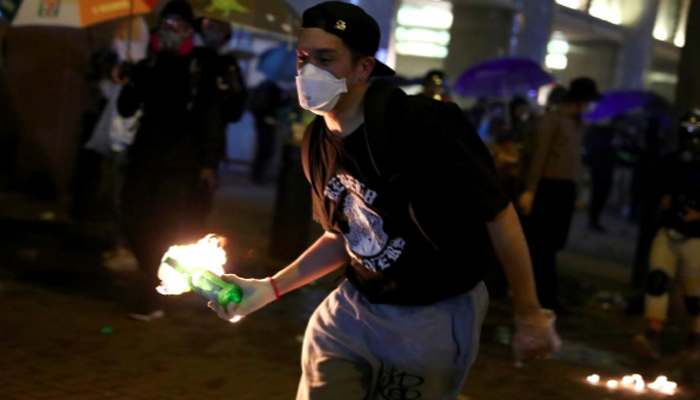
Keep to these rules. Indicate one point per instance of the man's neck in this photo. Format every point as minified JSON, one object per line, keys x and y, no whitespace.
{"x":349,"y":114}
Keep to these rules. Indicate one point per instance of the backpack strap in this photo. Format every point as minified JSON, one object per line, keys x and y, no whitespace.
{"x":380,"y":100}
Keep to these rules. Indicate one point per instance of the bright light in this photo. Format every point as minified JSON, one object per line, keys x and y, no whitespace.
{"x":679,"y":41}
{"x":575,"y":4}
{"x":422,"y":35}
{"x":660,"y":32}
{"x":235,"y":319}
{"x":607,"y":10}
{"x":425,"y":17}
{"x":663,"y":77}
{"x":636,"y":383}
{"x":558,"y":46}
{"x":556,"y":61}
{"x":421,"y":49}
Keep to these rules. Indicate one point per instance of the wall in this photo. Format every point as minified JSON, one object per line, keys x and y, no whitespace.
{"x":595,"y":60}
{"x":478,"y":33}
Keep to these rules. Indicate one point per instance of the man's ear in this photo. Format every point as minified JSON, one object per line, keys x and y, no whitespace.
{"x":366,"y":68}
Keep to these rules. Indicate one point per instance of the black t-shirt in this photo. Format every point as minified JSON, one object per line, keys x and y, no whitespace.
{"x":450,"y":187}
{"x":681,"y":180}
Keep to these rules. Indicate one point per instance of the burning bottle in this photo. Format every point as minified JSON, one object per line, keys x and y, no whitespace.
{"x":198,"y":268}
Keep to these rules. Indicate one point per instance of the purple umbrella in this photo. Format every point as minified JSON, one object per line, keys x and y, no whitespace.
{"x":502,"y":77}
{"x":619,"y":102}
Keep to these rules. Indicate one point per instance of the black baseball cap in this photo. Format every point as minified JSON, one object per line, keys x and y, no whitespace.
{"x":350,"y":23}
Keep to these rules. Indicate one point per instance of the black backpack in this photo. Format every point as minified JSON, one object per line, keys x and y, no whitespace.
{"x":379,"y":97}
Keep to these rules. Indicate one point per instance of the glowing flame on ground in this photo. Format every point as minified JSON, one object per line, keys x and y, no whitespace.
{"x":636,"y":383}
{"x":208,"y":253}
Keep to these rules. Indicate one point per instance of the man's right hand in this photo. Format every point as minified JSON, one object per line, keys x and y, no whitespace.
{"x":525,"y":202}
{"x":257,"y":293}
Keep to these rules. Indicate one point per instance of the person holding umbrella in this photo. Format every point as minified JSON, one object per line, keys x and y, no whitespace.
{"x":171,"y":172}
{"x":551,"y":178}
{"x":410,"y":201}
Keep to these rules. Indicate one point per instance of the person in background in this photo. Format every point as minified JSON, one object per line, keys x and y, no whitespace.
{"x":520,"y":119}
{"x":217,"y":37}
{"x":556,"y":98}
{"x":676,"y":247}
{"x":113,"y":134}
{"x":477,"y":112}
{"x":551,"y":178}
{"x":266,"y":101}
{"x":435,"y":86}
{"x":601,"y":157}
{"x":493,"y":125}
{"x":171,"y":171}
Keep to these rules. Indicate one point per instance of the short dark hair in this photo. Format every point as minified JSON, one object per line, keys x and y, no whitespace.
{"x":355,"y":55}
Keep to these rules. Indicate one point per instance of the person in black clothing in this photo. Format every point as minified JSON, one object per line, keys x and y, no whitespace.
{"x":435,"y":86}
{"x":171,"y":173}
{"x":266,"y":101}
{"x":601,"y":157}
{"x":409,"y":199}
{"x":217,"y":35}
{"x":676,"y":247}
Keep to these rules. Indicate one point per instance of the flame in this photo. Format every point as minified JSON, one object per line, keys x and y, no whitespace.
{"x":208,"y":253}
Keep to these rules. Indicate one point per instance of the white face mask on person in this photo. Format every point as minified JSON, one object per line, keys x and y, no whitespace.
{"x":319,"y":91}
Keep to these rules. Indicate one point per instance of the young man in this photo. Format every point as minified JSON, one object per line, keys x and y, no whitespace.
{"x":676,"y":248}
{"x":410,"y":202}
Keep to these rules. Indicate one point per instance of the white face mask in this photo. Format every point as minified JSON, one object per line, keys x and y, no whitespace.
{"x":319,"y":91}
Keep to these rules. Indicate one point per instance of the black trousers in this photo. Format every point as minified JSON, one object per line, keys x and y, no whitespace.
{"x":547,"y":230}
{"x":160,"y":209}
{"x":602,"y":182}
{"x":265,"y":149}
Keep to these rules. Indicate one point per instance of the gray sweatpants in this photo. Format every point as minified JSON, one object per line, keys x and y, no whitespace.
{"x":357,"y":350}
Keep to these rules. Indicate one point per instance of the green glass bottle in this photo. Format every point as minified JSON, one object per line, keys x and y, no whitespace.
{"x":207,"y":284}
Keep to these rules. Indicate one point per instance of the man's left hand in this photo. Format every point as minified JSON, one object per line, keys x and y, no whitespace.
{"x":208,"y":177}
{"x":691,"y":215}
{"x":535,"y":336}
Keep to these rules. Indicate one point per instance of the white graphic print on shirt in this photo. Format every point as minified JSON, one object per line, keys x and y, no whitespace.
{"x":365,"y":240}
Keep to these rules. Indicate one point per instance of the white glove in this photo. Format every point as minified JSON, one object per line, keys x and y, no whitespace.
{"x":535,"y":336}
{"x":257,"y":293}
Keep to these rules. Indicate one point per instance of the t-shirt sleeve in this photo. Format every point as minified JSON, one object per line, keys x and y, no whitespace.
{"x":449,"y":169}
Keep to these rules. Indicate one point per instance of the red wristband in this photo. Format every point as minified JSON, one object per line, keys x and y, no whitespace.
{"x":274,"y":286}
